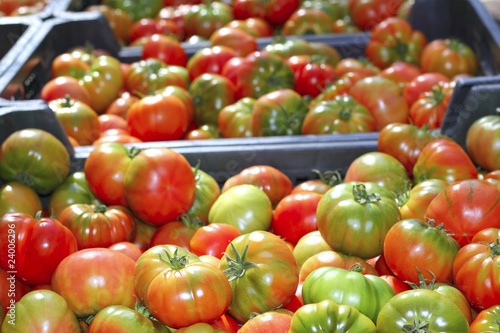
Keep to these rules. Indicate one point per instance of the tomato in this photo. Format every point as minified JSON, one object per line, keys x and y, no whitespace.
{"x":35,"y":158}
{"x":16,"y":197}
{"x":419,"y":197}
{"x":482,"y":142}
{"x":207,"y":192}
{"x":137,"y":9}
{"x":146,"y":27}
{"x":343,"y":114}
{"x":164,"y":48}
{"x":428,"y":249}
{"x":443,"y":159}
{"x":77,"y":119}
{"x":199,"y":328}
{"x":226,"y":324}
{"x":109,"y":121}
{"x":12,"y":289}
{"x":314,"y":77}
{"x":119,"y":318}
{"x":450,"y":57}
{"x":75,"y":279}
{"x":487,"y":320}
{"x":277,"y":113}
{"x":149,"y":75}
{"x":323,"y":183}
{"x":235,"y":120}
{"x":272,"y":181}
{"x":203,"y":132}
{"x":276,"y":12}
{"x":465,"y":208}
{"x":401,"y":72}
{"x":247,"y":259}
{"x":295,"y":216}
{"x":158,"y":117}
{"x":404,"y":142}
{"x":421,"y":309}
{"x":430,"y":107}
{"x":239,"y":40}
{"x":328,"y":316}
{"x":212,"y":239}
{"x":103,"y":81}
{"x":209,"y":59}
{"x":393,"y":40}
{"x":352,"y":65}
{"x":355,"y":210}
{"x":177,"y":233}
{"x":98,"y":225}
{"x":244,"y":206}
{"x":259,"y":73}
{"x":66,"y":64}
{"x":367,"y":293}
{"x":308,"y":245}
{"x":256,"y":26}
{"x":205,"y":18}
{"x":288,"y":47}
{"x":62,"y":86}
{"x":156,"y":176}
{"x":172,"y":281}
{"x":276,"y":321}
{"x":211,"y":92}
{"x":380,"y":168}
{"x":47,"y":312}
{"x":382,"y":98}
{"x":334,"y":259}
{"x":420,"y":84}
{"x":40,"y":245}
{"x":128,"y":248}
{"x":143,"y":235}
{"x":121,"y":105}
{"x":396,"y":284}
{"x":308,"y":21}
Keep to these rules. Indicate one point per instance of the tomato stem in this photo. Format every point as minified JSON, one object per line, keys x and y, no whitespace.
{"x":494,"y":248}
{"x":175,"y":262}
{"x":362,"y":196}
{"x":238,"y":265}
{"x":329,"y":177}
{"x":418,"y":326}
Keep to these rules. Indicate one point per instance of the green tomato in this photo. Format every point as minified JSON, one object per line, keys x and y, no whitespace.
{"x":246,"y":207}
{"x":354,"y":218}
{"x":328,"y":316}
{"x":365,"y":292}
{"x":421,"y":310}
{"x":121,"y":319}
{"x":207,"y":192}
{"x":137,"y":9}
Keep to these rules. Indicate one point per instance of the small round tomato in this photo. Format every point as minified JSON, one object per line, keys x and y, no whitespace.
{"x":165,"y":48}
{"x":213,"y":239}
{"x":483,"y":142}
{"x":20,"y":198}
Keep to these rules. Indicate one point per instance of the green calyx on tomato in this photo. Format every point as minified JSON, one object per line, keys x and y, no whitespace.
{"x":362,"y":196}
{"x":174,"y":261}
{"x":238,"y":265}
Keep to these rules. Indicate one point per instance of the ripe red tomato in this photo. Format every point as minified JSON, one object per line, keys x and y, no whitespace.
{"x":158,"y":117}
{"x":449,"y":57}
{"x":402,"y":73}
{"x":128,"y":248}
{"x":210,"y":59}
{"x":465,"y":208}
{"x":276,"y":321}
{"x":276,"y":12}
{"x":420,"y":84}
{"x":295,"y":216}
{"x":156,"y":176}
{"x":177,"y":233}
{"x":62,"y":86}
{"x":76,"y":276}
{"x":239,"y":40}
{"x":419,"y":197}
{"x":165,"y":48}
{"x":430,"y":107}
{"x":314,"y":77}
{"x":213,"y":239}
{"x":368,"y":13}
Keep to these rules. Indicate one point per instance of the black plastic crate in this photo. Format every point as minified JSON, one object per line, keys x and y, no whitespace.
{"x":12,"y":29}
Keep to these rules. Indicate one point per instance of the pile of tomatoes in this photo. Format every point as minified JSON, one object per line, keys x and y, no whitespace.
{"x":21,"y":7}
{"x":142,"y":239}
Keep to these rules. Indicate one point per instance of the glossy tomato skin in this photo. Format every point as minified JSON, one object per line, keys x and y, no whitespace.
{"x":276,"y":12}
{"x":414,"y":307}
{"x":401,"y":72}
{"x":357,"y":210}
{"x":205,"y":18}
{"x":309,"y":245}
{"x":165,"y":274}
{"x":165,"y":48}
{"x":75,"y":277}
{"x":98,"y":225}
{"x":271,"y":180}
{"x":404,"y":142}
{"x":311,"y":21}
{"x":20,"y":198}
{"x":280,"y":112}
{"x":421,"y":84}
{"x":318,"y":316}
{"x":121,"y":319}
{"x":482,"y":142}
{"x":419,"y":197}
{"x":277,"y":321}
{"x":177,"y":233}
{"x":207,"y":192}
{"x":240,"y":41}
{"x":428,"y":250}
{"x":235,"y":120}
{"x":149,"y":173}
{"x":213,"y":239}
{"x":486,"y":320}
{"x":209,"y":59}
{"x":262,"y":254}
{"x":29,"y":156}
{"x":158,"y":117}
{"x":393,"y":40}
{"x":40,"y":245}
{"x":430,"y":108}
{"x":343,"y":114}
{"x":443,"y":159}
{"x":450,"y":57}
{"x":295,"y":215}
{"x":48,"y":312}
{"x":465,"y":208}
{"x":328,"y":283}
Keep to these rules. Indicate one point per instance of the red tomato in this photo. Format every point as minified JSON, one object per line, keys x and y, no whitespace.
{"x":430,"y":107}
{"x":209,"y":59}
{"x":420,"y":84}
{"x":239,"y":40}
{"x":295,"y":216}
{"x":314,"y":77}
{"x":156,"y":176}
{"x":402,"y":73}
{"x":276,"y":321}
{"x":112,"y":121}
{"x":121,"y":105}
{"x":33,"y":248}
{"x":276,"y":12}
{"x":213,"y":239}
{"x":419,"y":197}
{"x":396,"y":284}
{"x":368,"y":13}
{"x":82,"y":278}
{"x":176,"y":233}
{"x":128,"y":248}
{"x":63,"y":86}
{"x":465,"y":208}
{"x":226,"y":323}
{"x":165,"y":48}
{"x":149,"y":26}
